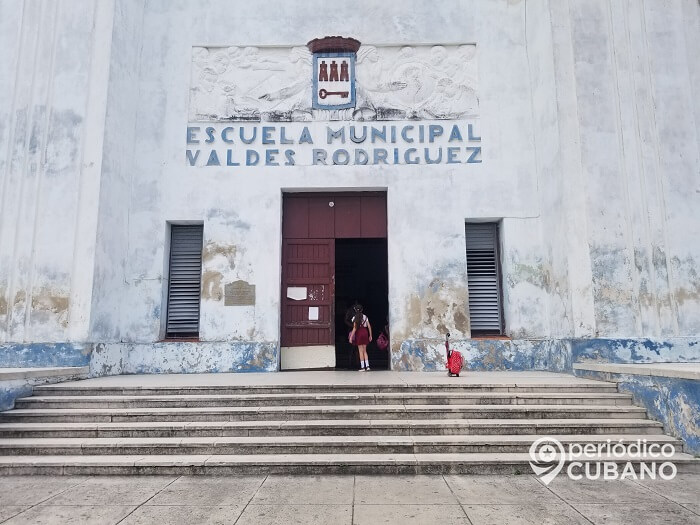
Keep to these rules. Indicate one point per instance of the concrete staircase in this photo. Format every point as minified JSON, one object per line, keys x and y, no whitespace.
{"x":18,"y":382}
{"x":431,"y":426}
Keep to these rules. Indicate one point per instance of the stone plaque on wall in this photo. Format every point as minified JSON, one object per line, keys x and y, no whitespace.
{"x":239,"y":293}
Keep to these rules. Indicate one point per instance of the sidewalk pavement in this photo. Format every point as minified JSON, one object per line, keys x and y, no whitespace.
{"x":340,"y":500}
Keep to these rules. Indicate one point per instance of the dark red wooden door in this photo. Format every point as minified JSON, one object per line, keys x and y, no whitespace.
{"x":307,"y":292}
{"x":310,"y":225}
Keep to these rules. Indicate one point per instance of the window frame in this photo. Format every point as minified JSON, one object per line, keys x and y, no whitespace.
{"x":498,"y":277}
{"x":166,"y":334}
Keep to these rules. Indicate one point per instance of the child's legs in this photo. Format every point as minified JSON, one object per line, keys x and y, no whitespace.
{"x":363,"y":352}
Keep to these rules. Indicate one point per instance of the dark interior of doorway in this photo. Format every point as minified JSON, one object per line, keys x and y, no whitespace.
{"x":361,"y":273}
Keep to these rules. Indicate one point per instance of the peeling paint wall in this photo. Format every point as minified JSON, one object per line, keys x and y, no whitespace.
{"x":672,"y":350}
{"x":427,"y":355}
{"x":552,"y":354}
{"x":11,"y":390}
{"x":527,"y":276}
{"x":183,"y":358}
{"x":33,"y":355}
{"x":672,"y":401}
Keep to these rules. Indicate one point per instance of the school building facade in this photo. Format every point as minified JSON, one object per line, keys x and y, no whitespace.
{"x":207,"y":187}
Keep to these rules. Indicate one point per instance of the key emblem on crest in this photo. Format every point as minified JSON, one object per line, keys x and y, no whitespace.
{"x":334,"y":72}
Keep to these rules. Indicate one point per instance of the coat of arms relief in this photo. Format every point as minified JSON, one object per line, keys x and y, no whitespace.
{"x":282,"y":84}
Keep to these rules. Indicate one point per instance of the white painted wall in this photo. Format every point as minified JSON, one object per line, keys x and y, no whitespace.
{"x":113,"y":283}
{"x":590,"y":122}
{"x":635,"y":79}
{"x":55,"y":62}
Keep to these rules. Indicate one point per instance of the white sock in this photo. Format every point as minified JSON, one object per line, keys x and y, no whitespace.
{"x":364,"y":364}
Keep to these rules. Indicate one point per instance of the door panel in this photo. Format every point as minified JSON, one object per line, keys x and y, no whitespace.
{"x":295,"y":213}
{"x":307,"y":264}
{"x":347,"y":213}
{"x":309,"y":229}
{"x":373,"y":216}
{"x":321,"y":218}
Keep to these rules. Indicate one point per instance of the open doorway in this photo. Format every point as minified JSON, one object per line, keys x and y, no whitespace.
{"x":318,"y":286}
{"x":361,"y":273}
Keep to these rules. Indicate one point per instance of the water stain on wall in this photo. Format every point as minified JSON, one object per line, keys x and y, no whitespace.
{"x":642,"y":265}
{"x":441,"y":309}
{"x":264,"y":357}
{"x":687,"y":415}
{"x":228,"y":218}
{"x":613,"y":295}
{"x":63,"y":141}
{"x":20,"y":298}
{"x":538,"y":275}
{"x":461,"y":321}
{"x":412,"y":362}
{"x":211,"y":286}
{"x":46,"y":301}
{"x":615,"y":301}
{"x":49,"y":302}
{"x":685,"y":270}
{"x":213,"y":250}
{"x":684,"y":295}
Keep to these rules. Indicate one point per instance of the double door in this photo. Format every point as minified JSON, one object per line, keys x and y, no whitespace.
{"x":311,"y":224}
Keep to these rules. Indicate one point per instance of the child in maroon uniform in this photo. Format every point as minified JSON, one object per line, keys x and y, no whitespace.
{"x":361,"y":336}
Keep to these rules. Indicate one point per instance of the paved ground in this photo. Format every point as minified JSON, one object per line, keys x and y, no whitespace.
{"x":339,"y":378}
{"x":339,"y":500}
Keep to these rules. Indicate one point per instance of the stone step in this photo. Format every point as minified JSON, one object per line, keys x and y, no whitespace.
{"x":314,"y":464}
{"x":16,"y":382}
{"x":60,"y":373}
{"x":354,"y":427}
{"x":574,"y":386}
{"x":347,"y":423}
{"x":312,"y":444}
{"x":332,"y":398}
{"x":327,"y":412}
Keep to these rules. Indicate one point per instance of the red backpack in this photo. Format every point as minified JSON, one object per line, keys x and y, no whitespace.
{"x":454,"y":359}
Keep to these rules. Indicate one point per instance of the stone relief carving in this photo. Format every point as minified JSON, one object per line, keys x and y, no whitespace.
{"x":392,"y":83}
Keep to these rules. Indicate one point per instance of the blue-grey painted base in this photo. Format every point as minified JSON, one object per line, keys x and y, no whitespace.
{"x":672,"y":401}
{"x":427,"y":355}
{"x":35,"y":355}
{"x":553,"y":355}
{"x":11,"y":390}
{"x":637,"y":351}
{"x":183,"y":358}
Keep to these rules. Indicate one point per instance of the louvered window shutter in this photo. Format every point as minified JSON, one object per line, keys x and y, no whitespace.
{"x":184,"y":282}
{"x":484,"y":280}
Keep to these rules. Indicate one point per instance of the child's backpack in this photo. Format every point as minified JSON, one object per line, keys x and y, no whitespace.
{"x":382,"y":341}
{"x":454,"y":363}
